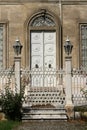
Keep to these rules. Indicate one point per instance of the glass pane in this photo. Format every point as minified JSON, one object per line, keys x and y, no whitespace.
{"x":1,"y":46}
{"x":84,"y":45}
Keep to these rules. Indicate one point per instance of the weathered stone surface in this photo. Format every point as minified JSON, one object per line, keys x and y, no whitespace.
{"x":52,"y":125}
{"x":16,"y":14}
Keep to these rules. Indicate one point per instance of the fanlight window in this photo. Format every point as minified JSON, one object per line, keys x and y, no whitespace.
{"x":42,"y":21}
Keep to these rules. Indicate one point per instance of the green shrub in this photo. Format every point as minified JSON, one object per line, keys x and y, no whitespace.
{"x":84,"y":91}
{"x":80,"y":108}
{"x":8,"y":125}
{"x":11,"y":103}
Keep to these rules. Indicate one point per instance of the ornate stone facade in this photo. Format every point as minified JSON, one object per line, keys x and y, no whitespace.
{"x":20,"y":17}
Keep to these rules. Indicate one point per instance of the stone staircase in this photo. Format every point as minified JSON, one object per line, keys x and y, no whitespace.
{"x":44,"y":113}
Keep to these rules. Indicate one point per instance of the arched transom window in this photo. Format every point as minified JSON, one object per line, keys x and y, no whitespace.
{"x":42,"y":21}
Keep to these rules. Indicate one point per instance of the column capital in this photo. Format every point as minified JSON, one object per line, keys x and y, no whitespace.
{"x":17,"y":58}
{"x":68,"y":57}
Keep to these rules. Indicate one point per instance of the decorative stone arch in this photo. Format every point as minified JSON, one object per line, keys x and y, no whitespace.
{"x":43,"y":20}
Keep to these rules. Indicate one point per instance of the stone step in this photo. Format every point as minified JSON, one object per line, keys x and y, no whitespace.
{"x":58,"y":117}
{"x":58,"y":114}
{"x":26,"y":109}
{"x":45,"y":112}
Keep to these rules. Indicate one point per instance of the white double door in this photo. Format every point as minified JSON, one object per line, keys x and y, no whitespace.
{"x":43,"y":52}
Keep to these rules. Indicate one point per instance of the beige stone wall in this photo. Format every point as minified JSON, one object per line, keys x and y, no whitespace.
{"x":15,"y":13}
{"x":73,"y":15}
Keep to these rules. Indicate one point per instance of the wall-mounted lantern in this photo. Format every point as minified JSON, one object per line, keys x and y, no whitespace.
{"x":17,"y":47}
{"x":68,"y":47}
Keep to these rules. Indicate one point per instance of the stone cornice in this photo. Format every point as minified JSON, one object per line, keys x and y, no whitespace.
{"x":74,"y":2}
{"x":63,"y":2}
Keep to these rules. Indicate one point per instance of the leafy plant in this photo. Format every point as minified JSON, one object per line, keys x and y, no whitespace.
{"x":11,"y":103}
{"x":84,"y":91}
{"x":9,"y":125}
{"x":80,"y":108}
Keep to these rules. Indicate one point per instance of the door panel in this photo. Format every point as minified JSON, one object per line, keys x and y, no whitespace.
{"x":49,"y":49}
{"x":49,"y":57}
{"x":36,"y":49}
{"x":43,"y":56}
{"x":49,"y":61}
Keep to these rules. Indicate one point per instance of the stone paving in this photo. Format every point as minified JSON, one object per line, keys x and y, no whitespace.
{"x":52,"y":125}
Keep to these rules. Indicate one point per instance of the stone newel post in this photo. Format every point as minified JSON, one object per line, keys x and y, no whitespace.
{"x":68,"y":87}
{"x":17,"y":61}
{"x":68,"y":79}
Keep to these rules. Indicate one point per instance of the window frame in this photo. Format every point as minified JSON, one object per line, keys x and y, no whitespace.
{"x":80,"y":48}
{"x":5,"y":44}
